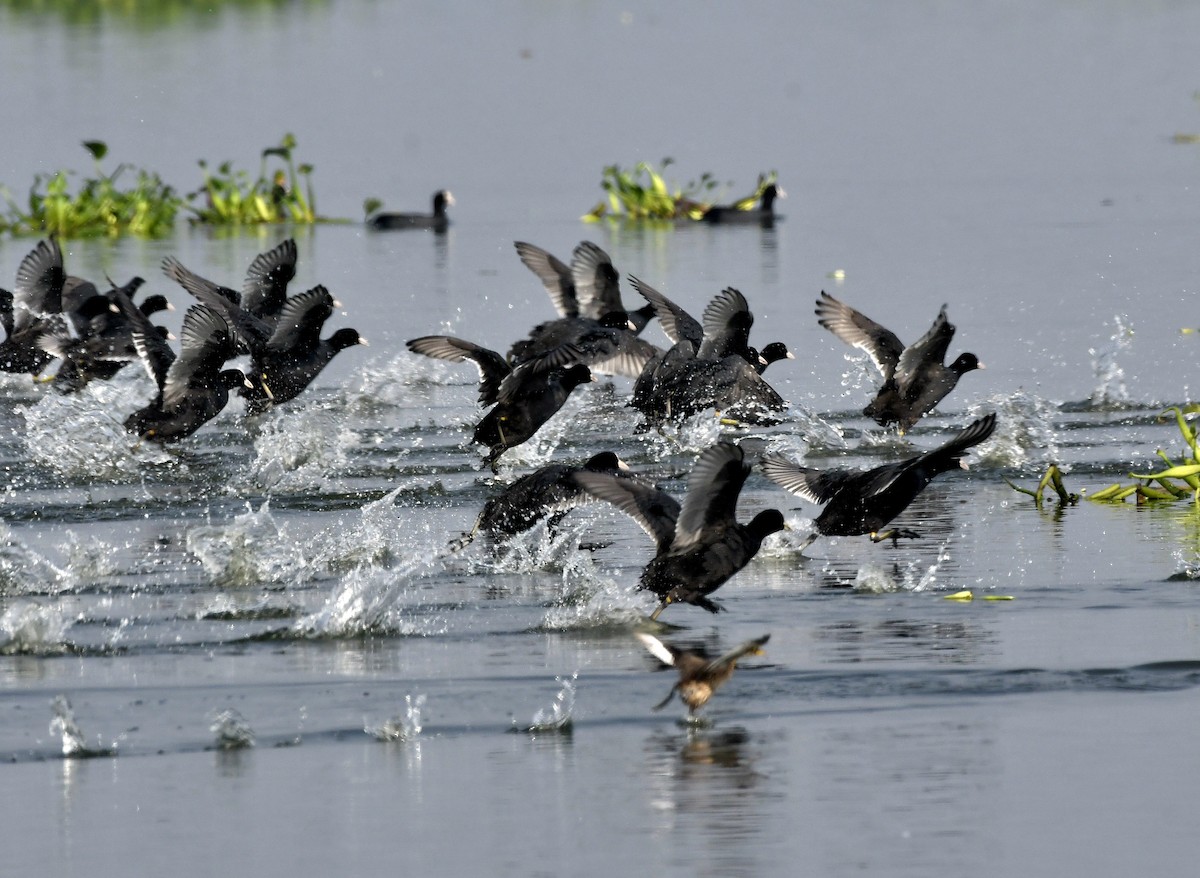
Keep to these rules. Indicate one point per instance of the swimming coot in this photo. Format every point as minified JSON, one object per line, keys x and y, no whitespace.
{"x":748,"y":211}
{"x":438,"y":220}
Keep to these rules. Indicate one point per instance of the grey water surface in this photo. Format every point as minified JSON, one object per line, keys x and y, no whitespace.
{"x":254,"y":653}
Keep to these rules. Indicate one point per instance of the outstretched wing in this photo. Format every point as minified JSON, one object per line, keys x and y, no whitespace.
{"x":816,"y":486}
{"x":555,"y":276}
{"x":677,"y":323}
{"x":596,"y":281}
{"x":265,"y":289}
{"x":655,"y":511}
{"x":930,"y":348}
{"x":727,"y":320}
{"x":858,"y":330}
{"x":493,"y":368}
{"x":712,"y":492}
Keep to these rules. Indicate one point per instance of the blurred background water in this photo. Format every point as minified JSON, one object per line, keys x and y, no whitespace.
{"x":286,"y":582}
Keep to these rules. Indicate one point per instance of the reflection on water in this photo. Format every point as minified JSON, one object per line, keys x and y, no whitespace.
{"x":705,"y":792}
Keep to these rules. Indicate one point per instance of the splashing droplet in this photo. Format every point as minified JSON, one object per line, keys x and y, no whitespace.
{"x":400,"y":728}
{"x":232,"y":731}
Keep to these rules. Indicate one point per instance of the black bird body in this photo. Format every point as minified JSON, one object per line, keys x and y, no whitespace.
{"x":527,"y":399}
{"x":294,"y":354}
{"x":865,"y":501}
{"x":438,"y":221}
{"x":522,"y":398}
{"x":95,"y":339}
{"x":548,"y":491}
{"x":282,"y":373}
{"x":700,"y":544}
{"x":763,"y":213}
{"x":36,"y":296}
{"x":699,"y":676}
{"x":678,"y":385}
{"x":711,"y":365}
{"x":192,"y":387}
{"x":915,"y":378}
{"x":608,"y":345}
{"x":204,"y":401}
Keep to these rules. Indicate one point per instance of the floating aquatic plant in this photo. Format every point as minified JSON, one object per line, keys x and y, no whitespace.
{"x":109,"y":204}
{"x":280,"y":192}
{"x":1177,"y":481}
{"x":642,"y":193}
{"x":137,"y":13}
{"x":103,"y":204}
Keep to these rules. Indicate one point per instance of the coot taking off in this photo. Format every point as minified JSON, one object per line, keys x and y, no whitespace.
{"x":531,"y":394}
{"x":548,"y":491}
{"x":863,"y":501}
{"x":700,"y":544}
{"x":915,"y":378}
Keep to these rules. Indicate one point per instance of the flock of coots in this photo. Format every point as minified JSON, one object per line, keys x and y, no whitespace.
{"x":51,"y":316}
{"x":711,"y":365}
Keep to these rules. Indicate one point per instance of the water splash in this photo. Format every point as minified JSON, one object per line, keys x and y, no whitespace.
{"x":558,"y":715}
{"x":406,"y":727}
{"x":369,"y":601}
{"x":538,"y":550}
{"x":591,"y":600}
{"x":915,"y":577}
{"x":251,"y":550}
{"x":1111,"y":392}
{"x":34,"y":629}
{"x":303,"y":447}
{"x":371,"y":542}
{"x":95,"y":446}
{"x":231,"y":731}
{"x":402,"y":381}
{"x":1024,"y":435}
{"x":787,"y":543}
{"x":860,"y":373}
{"x":88,"y":560}
{"x":24,"y":571}
{"x":1187,"y":566}
{"x":74,"y":743}
{"x":819,"y":433}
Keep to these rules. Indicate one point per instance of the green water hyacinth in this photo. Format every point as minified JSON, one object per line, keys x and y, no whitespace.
{"x":101,"y":205}
{"x":1176,"y":482}
{"x":278,"y":194}
{"x":643,"y":194}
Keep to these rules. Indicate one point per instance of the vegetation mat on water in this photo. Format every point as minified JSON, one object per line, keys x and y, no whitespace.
{"x":105,"y":204}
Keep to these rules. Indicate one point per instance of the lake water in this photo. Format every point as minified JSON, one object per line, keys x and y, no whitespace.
{"x":289,"y":579}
